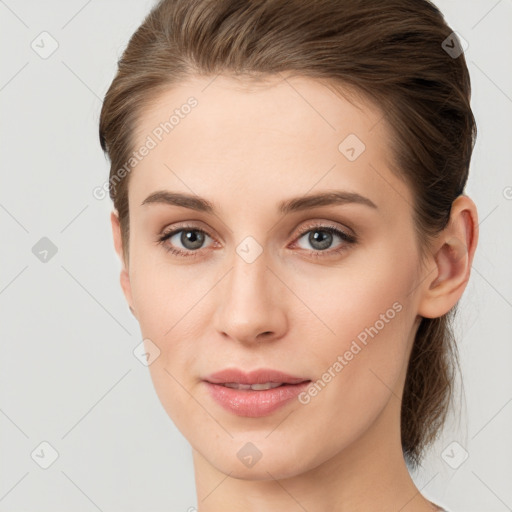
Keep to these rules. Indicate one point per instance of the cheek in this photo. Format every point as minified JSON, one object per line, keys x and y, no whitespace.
{"x":367,"y":318}
{"x":164,"y":297}
{"x":170,"y":300}
{"x":361,"y":295}
{"x":161,"y":292}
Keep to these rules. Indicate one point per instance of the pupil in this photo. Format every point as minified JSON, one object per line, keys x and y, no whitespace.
{"x":195,"y":238}
{"x":323,"y":241}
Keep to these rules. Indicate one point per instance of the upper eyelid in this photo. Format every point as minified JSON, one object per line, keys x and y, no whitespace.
{"x":307,"y":225}
{"x":326,"y":225}
{"x":173,"y":230}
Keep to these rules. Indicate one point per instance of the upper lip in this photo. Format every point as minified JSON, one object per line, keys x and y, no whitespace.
{"x":260,"y":376}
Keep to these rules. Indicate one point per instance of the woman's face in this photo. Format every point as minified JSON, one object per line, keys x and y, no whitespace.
{"x":257,"y":285}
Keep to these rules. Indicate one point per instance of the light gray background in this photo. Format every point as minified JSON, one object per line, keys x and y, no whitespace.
{"x":68,"y":374}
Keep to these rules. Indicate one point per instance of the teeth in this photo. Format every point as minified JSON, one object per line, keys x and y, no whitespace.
{"x":255,"y":387}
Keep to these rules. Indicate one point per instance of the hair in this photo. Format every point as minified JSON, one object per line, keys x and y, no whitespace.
{"x":391,"y":53}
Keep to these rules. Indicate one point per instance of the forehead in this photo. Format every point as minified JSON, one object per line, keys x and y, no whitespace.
{"x":292,"y":106}
{"x":272,"y":138}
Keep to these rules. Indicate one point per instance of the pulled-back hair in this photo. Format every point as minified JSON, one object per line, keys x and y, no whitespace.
{"x":394,"y":53}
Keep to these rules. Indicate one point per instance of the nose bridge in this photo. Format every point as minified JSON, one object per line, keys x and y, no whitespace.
{"x":248,"y":280}
{"x":248,"y":300}
{"x":249,"y":268}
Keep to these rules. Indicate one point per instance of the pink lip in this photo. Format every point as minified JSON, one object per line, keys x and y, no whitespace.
{"x":255,"y":377}
{"x":253,"y":403}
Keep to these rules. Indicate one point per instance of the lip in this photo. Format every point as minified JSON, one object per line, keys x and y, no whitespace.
{"x":260,"y":376}
{"x":252,"y":403}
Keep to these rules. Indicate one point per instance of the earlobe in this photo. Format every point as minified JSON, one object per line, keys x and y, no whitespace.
{"x":124,"y":277}
{"x":450,"y":264}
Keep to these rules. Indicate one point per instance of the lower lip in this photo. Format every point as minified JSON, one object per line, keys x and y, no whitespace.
{"x":254,"y":404}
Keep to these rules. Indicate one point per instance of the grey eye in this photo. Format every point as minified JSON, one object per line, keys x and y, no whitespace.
{"x":319,"y":239}
{"x":191,"y":239}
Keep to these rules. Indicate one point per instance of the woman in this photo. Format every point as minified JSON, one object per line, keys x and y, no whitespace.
{"x":289,"y":210}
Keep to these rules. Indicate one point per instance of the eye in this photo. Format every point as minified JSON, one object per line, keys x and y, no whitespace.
{"x":191,"y":239}
{"x":321,"y":237}
{"x":187,"y":241}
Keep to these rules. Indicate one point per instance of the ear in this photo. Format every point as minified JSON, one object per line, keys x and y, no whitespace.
{"x":449,"y":265}
{"x":125,"y":276}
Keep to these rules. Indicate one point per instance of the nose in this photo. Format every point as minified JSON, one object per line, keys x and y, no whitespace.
{"x":251,"y":308}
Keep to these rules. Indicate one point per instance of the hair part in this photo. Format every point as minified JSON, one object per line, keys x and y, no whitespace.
{"x":392,"y":55}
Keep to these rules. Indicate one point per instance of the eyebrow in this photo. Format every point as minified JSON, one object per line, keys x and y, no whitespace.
{"x":295,"y":204}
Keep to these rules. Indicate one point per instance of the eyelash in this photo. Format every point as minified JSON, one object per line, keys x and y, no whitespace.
{"x":347,"y":239}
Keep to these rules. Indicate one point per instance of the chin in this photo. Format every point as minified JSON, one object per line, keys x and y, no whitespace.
{"x":262,"y":470}
{"x":251,"y":458}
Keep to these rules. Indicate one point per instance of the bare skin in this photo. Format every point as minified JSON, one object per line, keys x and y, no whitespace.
{"x":246,"y":147}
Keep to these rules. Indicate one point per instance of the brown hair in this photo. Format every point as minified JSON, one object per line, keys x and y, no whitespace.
{"x":392,"y":53}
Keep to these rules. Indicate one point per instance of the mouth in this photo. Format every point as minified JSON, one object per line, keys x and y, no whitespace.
{"x":254,"y":394}
{"x":255,"y":387}
{"x":261,"y":379}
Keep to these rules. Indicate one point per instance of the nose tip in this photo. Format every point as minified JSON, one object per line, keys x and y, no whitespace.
{"x":249,"y":307}
{"x":248,"y":330}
